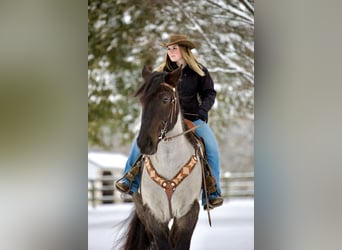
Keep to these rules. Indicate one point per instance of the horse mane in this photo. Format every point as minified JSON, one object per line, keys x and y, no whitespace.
{"x":151,"y":86}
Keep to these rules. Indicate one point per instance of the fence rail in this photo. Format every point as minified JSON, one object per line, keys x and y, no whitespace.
{"x":238,"y":185}
{"x":101,"y":190}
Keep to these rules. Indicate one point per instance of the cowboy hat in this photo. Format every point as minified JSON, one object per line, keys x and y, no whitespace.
{"x":180,"y":40}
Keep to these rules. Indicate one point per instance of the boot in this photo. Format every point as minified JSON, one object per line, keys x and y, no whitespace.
{"x":124,"y":184}
{"x":215,"y":202}
{"x":215,"y":199}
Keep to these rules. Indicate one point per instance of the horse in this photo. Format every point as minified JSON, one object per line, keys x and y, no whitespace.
{"x":167,"y":206}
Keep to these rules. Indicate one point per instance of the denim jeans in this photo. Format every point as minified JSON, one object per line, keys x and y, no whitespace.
{"x":133,"y":156}
{"x":212,"y":151}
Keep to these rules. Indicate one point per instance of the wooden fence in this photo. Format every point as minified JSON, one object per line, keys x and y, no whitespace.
{"x":102,"y":191}
{"x":238,"y":185}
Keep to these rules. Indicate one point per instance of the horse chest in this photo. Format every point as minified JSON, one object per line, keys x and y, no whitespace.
{"x":164,"y":189}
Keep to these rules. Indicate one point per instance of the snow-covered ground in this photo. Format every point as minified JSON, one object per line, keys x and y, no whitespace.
{"x":232,"y":226}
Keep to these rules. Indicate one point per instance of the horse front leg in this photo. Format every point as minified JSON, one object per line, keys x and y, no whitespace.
{"x":159,"y":231}
{"x":184,"y":227}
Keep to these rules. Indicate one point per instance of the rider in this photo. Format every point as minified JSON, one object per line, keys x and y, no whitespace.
{"x":197,"y":96}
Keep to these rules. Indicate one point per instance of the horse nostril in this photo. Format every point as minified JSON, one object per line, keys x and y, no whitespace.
{"x":150,"y":142}
{"x":146,"y":145}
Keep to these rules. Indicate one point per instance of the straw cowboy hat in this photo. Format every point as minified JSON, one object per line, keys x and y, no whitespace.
{"x":180,"y":40}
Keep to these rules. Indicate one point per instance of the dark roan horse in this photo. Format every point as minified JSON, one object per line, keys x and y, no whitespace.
{"x":167,"y":207}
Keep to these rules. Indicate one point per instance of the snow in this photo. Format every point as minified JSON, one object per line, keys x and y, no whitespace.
{"x":108,"y":159}
{"x":232,"y":226}
{"x":98,"y":161}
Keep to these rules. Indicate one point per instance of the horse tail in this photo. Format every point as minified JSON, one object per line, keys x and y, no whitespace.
{"x":131,"y":234}
{"x":137,"y":237}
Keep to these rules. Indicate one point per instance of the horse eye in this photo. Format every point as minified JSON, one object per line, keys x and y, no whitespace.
{"x":166,"y":99}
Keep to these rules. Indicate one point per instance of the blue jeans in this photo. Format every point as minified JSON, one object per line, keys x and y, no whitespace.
{"x":212,"y":151}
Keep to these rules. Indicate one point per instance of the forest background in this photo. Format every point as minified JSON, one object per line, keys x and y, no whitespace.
{"x":125,"y":35}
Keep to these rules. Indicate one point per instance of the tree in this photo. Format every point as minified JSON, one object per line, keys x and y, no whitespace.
{"x":125,"y":35}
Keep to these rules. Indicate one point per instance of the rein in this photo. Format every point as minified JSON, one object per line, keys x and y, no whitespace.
{"x":183,"y":133}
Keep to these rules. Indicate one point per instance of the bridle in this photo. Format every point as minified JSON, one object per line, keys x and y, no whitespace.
{"x":172,"y":112}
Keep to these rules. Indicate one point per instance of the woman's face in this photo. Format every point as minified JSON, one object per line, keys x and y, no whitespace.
{"x":174,"y":53}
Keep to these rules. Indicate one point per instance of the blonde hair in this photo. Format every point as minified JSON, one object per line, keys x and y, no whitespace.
{"x":188,"y":57}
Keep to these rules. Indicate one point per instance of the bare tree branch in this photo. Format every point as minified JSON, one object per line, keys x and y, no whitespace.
{"x":232,"y":66}
{"x":248,"y":6}
{"x":234,"y":11}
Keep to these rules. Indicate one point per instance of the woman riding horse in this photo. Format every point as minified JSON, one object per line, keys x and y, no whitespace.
{"x":195,"y":82}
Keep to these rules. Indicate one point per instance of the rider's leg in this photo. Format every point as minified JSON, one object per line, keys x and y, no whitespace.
{"x":133,"y":156}
{"x":213,"y":155}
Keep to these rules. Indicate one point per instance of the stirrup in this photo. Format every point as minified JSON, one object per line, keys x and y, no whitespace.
{"x":216,"y":202}
{"x":122,"y":186}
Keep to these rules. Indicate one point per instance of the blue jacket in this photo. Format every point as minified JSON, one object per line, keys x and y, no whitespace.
{"x":196,"y":93}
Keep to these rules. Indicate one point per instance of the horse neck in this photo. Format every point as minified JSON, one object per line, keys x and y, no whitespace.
{"x":178,"y":128}
{"x":173,"y":154}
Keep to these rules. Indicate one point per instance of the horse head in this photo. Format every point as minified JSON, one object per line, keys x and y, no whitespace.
{"x":160,"y":107}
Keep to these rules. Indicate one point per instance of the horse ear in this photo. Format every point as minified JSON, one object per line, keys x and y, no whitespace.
{"x":146,"y":73}
{"x":173,"y":77}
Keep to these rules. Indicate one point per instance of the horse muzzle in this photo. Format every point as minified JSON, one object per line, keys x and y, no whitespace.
{"x":147,"y":146}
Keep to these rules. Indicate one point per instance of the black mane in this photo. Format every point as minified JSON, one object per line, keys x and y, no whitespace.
{"x":150,"y":87}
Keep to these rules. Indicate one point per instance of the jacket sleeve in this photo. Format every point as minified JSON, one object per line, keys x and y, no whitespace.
{"x":207,"y":94}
